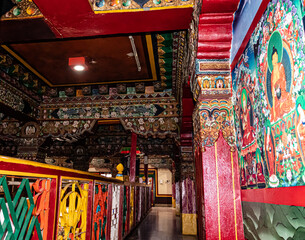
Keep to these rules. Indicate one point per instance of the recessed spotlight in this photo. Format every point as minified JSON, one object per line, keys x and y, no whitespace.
{"x":79,"y":68}
{"x":78,"y":64}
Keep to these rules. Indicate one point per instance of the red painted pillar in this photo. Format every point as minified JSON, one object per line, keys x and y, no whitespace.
{"x":109,"y":211}
{"x":199,"y":193}
{"x":133,"y":156}
{"x":222,"y":205}
{"x":217,"y":174}
{"x":146,"y":169}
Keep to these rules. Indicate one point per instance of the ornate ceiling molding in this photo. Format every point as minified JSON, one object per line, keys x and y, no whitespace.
{"x":17,"y":100}
{"x":102,"y":6}
{"x":68,"y":130}
{"x":87,"y":108}
{"x":19,"y":76}
{"x":161,"y":127}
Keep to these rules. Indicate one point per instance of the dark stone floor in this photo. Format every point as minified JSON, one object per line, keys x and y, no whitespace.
{"x":160,"y":224}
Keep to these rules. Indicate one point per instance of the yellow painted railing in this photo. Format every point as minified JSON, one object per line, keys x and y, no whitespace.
{"x":40,"y":201}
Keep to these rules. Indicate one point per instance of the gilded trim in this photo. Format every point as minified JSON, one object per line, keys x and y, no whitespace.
{"x":77,"y":179}
{"x":46,"y":166}
{"x":143,"y":9}
{"x":26,"y":174}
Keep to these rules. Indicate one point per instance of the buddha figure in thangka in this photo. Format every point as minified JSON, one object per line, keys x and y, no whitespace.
{"x":281,"y":98}
{"x":278,"y":77}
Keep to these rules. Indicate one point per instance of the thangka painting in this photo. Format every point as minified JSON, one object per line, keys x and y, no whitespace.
{"x":269,"y":100}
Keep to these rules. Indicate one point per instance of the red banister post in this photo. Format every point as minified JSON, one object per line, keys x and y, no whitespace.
{"x":109,"y":211}
{"x":133,"y":157}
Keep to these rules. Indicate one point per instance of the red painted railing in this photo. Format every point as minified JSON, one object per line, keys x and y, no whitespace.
{"x":40,"y":201}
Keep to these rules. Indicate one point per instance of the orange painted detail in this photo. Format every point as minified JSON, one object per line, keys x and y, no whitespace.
{"x":133,"y":157}
{"x":100,"y":205}
{"x":41,"y":196}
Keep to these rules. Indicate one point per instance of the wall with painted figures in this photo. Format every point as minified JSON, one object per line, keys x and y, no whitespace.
{"x":269,"y":112}
{"x":269,"y":94}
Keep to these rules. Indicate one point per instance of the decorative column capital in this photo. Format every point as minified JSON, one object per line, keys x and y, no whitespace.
{"x":210,"y":118}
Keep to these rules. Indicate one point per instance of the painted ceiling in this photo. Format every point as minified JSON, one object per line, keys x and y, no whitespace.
{"x":109,"y":60}
{"x":38,"y":37}
{"x":42,"y":67}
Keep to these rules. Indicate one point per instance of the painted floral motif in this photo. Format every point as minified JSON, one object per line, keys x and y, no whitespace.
{"x":268,"y":95}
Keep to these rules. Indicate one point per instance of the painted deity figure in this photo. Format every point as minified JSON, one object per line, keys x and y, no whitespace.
{"x":248,"y":138}
{"x":279,"y":77}
{"x":260,"y":175}
{"x":243,"y":179}
{"x":281,"y":98}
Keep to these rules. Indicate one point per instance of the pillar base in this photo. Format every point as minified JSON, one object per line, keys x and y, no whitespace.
{"x":189,"y":224}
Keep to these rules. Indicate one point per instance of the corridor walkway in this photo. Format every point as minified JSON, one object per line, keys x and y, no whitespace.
{"x":160,"y":224}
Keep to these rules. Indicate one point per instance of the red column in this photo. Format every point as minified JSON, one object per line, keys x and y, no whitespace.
{"x":199,"y":193}
{"x":133,"y":156}
{"x":109,"y":211}
{"x":146,"y":173}
{"x":221,"y":191}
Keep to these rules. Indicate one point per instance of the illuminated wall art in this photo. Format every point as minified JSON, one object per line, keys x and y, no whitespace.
{"x":268,"y":99}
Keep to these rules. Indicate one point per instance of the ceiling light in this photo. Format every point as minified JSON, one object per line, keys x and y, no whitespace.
{"x":78,"y":64}
{"x":79,"y":68}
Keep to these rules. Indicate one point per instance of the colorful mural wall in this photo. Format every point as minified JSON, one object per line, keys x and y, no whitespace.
{"x":268,"y":95}
{"x":269,"y":112}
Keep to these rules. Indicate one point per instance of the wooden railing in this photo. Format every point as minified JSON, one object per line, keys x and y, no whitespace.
{"x":40,"y":201}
